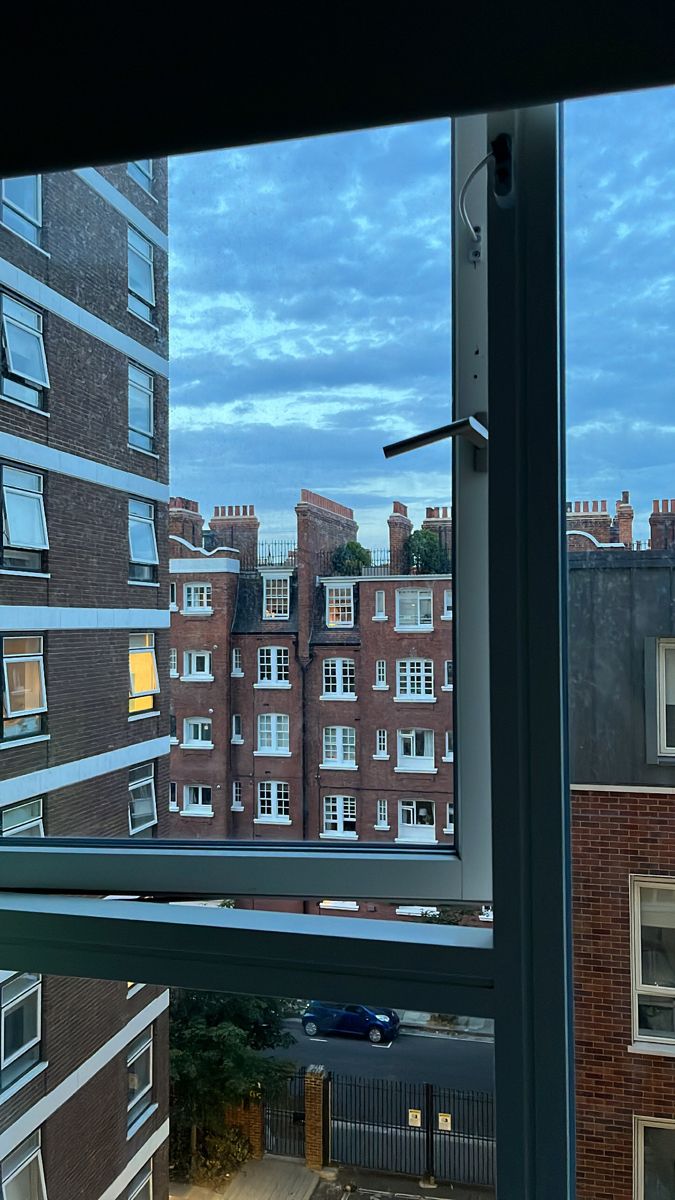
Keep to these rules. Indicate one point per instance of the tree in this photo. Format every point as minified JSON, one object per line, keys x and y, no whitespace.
{"x":350,"y":559}
{"x":216,"y":1043}
{"x":425,"y":554}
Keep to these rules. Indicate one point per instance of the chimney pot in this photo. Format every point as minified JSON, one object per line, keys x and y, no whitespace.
{"x":625,"y":497}
{"x":655,"y":506}
{"x":603,"y":506}
{"x":664,"y":506}
{"x":585,"y":505}
{"x":595,"y":506}
{"x":577,"y":505}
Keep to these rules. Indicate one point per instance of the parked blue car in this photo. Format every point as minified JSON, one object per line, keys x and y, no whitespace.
{"x":354,"y":1020}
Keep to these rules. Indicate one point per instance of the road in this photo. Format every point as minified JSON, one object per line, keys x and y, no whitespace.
{"x":447,"y":1062}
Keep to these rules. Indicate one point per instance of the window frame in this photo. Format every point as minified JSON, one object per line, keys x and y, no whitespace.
{"x":189,"y":610}
{"x":150,"y":778}
{"x":276,"y":749}
{"x":132,"y":1057}
{"x":418,"y":626}
{"x":34,"y":988}
{"x":345,"y":736}
{"x":39,"y":550}
{"x":200,"y":808}
{"x":279,"y":673}
{"x":344,"y":669}
{"x":26,"y":217}
{"x":424,"y":764}
{"x":144,"y":1178}
{"x":149,"y":390}
{"x":380,"y":684}
{"x":36,"y":822}
{"x":148,"y":648}
{"x":39,"y":711}
{"x":37,"y":331}
{"x":278,"y":802}
{"x":408,"y":672}
{"x":190,"y":743}
{"x":24,"y":1163}
{"x":638,"y":987}
{"x":191,"y":676}
{"x":381,"y":745}
{"x":143,"y":569}
{"x":640,"y":1125}
{"x":273,"y":578}
{"x":663,"y":647}
{"x":133,"y":296}
{"x":340,"y":817}
{"x":380,"y":605}
{"x":347,"y":603}
{"x":404,"y":805}
{"x":140,"y":175}
{"x":237,"y":669}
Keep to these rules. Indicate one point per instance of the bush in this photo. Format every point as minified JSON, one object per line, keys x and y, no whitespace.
{"x":350,"y":559}
{"x":425,"y":555}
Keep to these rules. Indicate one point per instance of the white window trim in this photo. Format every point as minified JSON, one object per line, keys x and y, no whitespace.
{"x":663,"y":645}
{"x":641,"y":1041}
{"x":275,"y":817}
{"x":7,"y":319}
{"x":31,"y":990}
{"x":236,"y":672}
{"x":196,"y":810}
{"x":196,"y":609}
{"x":237,"y":804}
{"x":135,"y":518}
{"x":449,"y":755}
{"x":150,"y":778}
{"x":10,"y":489}
{"x":190,"y":744}
{"x":274,"y":683}
{"x":331,"y":587}
{"x":274,"y":750}
{"x":196,"y":676}
{"x":35,"y":1154}
{"x":36,"y":220}
{"x":236,"y":739}
{"x":131,"y":1059}
{"x":338,"y":834}
{"x":641,"y":1123}
{"x":399,"y":628}
{"x":144,"y":1176}
{"x":411,"y":697}
{"x":24,"y":712}
{"x":267,"y":577}
{"x":422,"y":765}
{"x":339,"y":674}
{"x":337,"y":764}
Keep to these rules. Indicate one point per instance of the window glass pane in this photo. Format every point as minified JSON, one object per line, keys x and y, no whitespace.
{"x":659,"y":1163}
{"x":23,"y":193}
{"x":25,"y":519}
{"x":25,"y":352}
{"x":657,"y":931}
{"x":26,"y":1184}
{"x":142,"y":540}
{"x":25,"y":688}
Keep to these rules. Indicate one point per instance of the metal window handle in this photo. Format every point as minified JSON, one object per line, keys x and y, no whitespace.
{"x":474,"y":429}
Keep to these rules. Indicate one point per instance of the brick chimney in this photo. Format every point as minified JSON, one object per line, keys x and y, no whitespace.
{"x":623,"y":521}
{"x":662,"y":525}
{"x":323,"y":525}
{"x":400,"y":528}
{"x":236,"y":525}
{"x":588,"y":517}
{"x":439,"y":520}
{"x":185,"y":521}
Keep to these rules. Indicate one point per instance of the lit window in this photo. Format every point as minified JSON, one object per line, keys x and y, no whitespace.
{"x":197,"y":733}
{"x":22,"y":820}
{"x":414,"y":608}
{"x":197,"y":796}
{"x":24,"y":524}
{"x":197,"y":598}
{"x":237,"y":729}
{"x":415,"y":679}
{"x":415,"y":750}
{"x":141,"y":171}
{"x":173,"y":662}
{"x":339,"y":747}
{"x":22,"y":1173}
{"x":143,"y":558}
{"x":448,"y":675}
{"x":276,"y":597}
{"x":140,"y":1188}
{"x":237,"y":668}
{"x":21,"y":207}
{"x":24,"y":699}
{"x":449,"y":746}
{"x":382,"y":815}
{"x":143,"y":677}
{"x":273,"y":734}
{"x":417,"y":821}
{"x":237,"y":804}
{"x":273,"y":666}
{"x":380,"y":673}
{"x":197,"y":664}
{"x":141,"y":299}
{"x":339,"y":679}
{"x":20,"y":1021}
{"x":139,"y":1077}
{"x":24,"y":364}
{"x":381,"y":743}
{"x":379,"y":606}
{"x":142,"y":803}
{"x":654,"y":961}
{"x":273,"y":801}
{"x":339,"y":816}
{"x":339,"y":605}
{"x":141,"y":408}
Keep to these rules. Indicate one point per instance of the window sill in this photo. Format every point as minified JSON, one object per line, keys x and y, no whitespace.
{"x":27,"y":241}
{"x":448,"y":758}
{"x":380,"y":687}
{"x":413,"y":629}
{"x":135,"y":990}
{"x":142,"y":583}
{"x":337,"y":696}
{"x":449,"y":829}
{"x":28,"y":407}
{"x":148,"y":825}
{"x":447,"y":687}
{"x":342,"y":625}
{"x":351,"y":837}
{"x":196,"y":612}
{"x":269,"y":685}
{"x":652,"y":1048}
{"x":203,"y":811}
{"x":143,"y":320}
{"x":173,"y":674}
{"x":276,"y":617}
{"x":140,"y":450}
{"x":272,"y":821}
{"x":381,"y":757}
{"x":382,"y":828}
{"x":381,"y":617}
{"x":271,"y":753}
{"x":236,"y":674}
{"x":338,"y":766}
{"x":340,"y":905}
{"x":173,"y":741}
{"x":20,"y":1083}
{"x":196,"y":678}
{"x":196,"y":746}
{"x":446,"y":616}
{"x":174,"y":808}
{"x":145,"y":1116}
{"x":414,"y":699}
{"x":416,"y":770}
{"x":173,"y":608}
{"x":236,"y":741}
{"x":237,"y":808}
{"x":144,"y":716}
{"x":407,"y":841}
{"x":142,"y":186}
{"x":27,"y":741}
{"x":25,"y":574}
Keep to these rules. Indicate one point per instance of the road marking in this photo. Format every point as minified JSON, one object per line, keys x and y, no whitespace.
{"x":382,"y":1045}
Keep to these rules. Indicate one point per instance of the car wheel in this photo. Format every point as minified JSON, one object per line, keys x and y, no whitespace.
{"x":311,"y":1029}
{"x":375,"y":1035}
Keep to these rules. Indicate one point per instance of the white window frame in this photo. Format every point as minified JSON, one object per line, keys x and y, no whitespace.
{"x":345,"y":739}
{"x":141,"y":1045}
{"x":406,"y":828}
{"x":31,"y":219}
{"x":380,"y":611}
{"x":640,"y":1125}
{"x":279,"y":742}
{"x":449,"y":755}
{"x":141,"y":1180}
{"x":345,"y":809}
{"x":147,"y":648}
{"x":448,"y":687}
{"x":191,"y":743}
{"x":34,"y":988}
{"x":665,"y":646}
{"x":344,"y":670}
{"x":381,"y":745}
{"x":411,"y":672}
{"x":173,"y":597}
{"x":141,"y":782}
{"x":277,"y":668}
{"x":34,"y":822}
{"x":15,"y":489}
{"x":237,"y":801}
{"x":419,"y":626}
{"x":345,"y":601}
{"x":198,"y":807}
{"x":147,"y":386}
{"x":449,"y":826}
{"x":279,"y":801}
{"x":237,"y":670}
{"x":380,"y":684}
{"x":140,"y":176}
{"x":20,"y":1159}
{"x":136,"y":518}
{"x":147,"y":255}
{"x":446,"y":615}
{"x":173,"y":662}
{"x":192,"y":589}
{"x":31,"y":324}
{"x":279,"y":612}
{"x":38,"y":657}
{"x":173,"y":796}
{"x":381,"y":815}
{"x":421,"y":763}
{"x":237,"y":734}
{"x":638,"y":988}
{"x":189,"y":674}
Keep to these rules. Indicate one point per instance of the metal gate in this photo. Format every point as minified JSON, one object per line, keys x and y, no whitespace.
{"x":284,"y":1116}
{"x":370,"y":1126}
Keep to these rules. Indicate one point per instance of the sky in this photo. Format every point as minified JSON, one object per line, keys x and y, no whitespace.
{"x":310,"y":315}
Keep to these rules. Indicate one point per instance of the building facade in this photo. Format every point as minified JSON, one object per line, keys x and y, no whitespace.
{"x":311,"y":693}
{"x":84,"y":740}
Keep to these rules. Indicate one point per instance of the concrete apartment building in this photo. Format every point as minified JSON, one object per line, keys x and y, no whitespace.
{"x":622,"y":693}
{"x":308,"y":702}
{"x":83,"y":609}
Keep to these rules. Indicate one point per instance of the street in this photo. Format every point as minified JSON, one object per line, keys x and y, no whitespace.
{"x":415,"y":1058}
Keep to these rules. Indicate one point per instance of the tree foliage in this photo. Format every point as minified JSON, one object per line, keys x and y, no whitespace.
{"x":351,"y":558}
{"x":425,"y":554}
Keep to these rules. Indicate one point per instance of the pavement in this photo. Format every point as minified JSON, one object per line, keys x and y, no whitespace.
{"x":269,"y":1178}
{"x":371,"y":1185}
{"x":429,"y":1023}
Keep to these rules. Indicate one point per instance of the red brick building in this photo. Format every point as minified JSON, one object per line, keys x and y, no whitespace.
{"x":83,"y":600}
{"x":312,"y":697}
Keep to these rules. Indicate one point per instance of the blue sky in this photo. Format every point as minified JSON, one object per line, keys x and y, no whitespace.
{"x":310,"y":315}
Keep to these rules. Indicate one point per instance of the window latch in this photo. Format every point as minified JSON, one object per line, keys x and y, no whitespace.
{"x":474,"y":429}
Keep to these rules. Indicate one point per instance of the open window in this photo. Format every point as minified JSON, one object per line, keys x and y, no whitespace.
{"x":25,"y":377}
{"x":24,"y":702}
{"x":143,"y":677}
{"x":24,"y":523}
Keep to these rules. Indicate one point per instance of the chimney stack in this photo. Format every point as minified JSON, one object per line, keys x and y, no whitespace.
{"x":439,"y":520}
{"x":400,"y":528}
{"x":185,"y":521}
{"x":236,"y":525}
{"x":662,"y":525}
{"x":623,"y":521}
